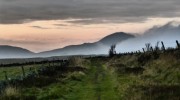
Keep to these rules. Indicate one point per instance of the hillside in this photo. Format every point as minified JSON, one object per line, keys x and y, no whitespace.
{"x":14,"y":52}
{"x":99,"y":47}
{"x":115,"y":38}
{"x":133,"y":76}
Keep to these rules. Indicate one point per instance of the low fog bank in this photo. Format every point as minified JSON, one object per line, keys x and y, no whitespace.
{"x":167,"y":33}
{"x":84,"y":49}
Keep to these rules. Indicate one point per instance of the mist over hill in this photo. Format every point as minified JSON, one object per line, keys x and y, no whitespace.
{"x":167,"y":33}
{"x":99,"y":47}
{"x":126,"y":42}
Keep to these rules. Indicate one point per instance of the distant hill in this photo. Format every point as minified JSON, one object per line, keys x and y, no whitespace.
{"x":126,"y":42}
{"x":14,"y":52}
{"x":115,"y":38}
{"x":100,"y":47}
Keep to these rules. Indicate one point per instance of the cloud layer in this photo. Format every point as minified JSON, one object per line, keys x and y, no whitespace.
{"x":88,"y":11}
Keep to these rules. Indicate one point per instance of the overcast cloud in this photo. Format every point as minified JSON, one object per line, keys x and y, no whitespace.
{"x":90,"y":11}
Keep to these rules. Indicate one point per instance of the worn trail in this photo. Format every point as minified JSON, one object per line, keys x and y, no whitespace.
{"x":98,"y":84}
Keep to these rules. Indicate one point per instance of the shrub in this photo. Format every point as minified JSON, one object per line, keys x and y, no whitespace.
{"x":112,"y":51}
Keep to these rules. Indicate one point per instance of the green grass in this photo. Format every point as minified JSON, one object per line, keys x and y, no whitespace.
{"x":12,"y":72}
{"x":15,"y":71}
{"x":98,"y":82}
{"x":103,"y":81}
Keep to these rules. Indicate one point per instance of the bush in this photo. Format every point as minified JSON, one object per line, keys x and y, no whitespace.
{"x":112,"y":51}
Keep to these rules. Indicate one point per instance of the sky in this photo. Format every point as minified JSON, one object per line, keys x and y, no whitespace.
{"x":41,"y":25}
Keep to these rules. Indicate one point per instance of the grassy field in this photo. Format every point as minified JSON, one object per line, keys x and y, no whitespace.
{"x":127,"y":77}
{"x":16,"y":71}
{"x":13,"y":72}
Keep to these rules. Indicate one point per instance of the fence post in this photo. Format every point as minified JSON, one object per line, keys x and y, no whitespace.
{"x":163,"y":47}
{"x":22,"y":67}
{"x":143,"y":50}
{"x":53,"y":61}
{"x":59,"y":62}
{"x":42,"y":64}
{"x":5,"y":74}
{"x":178,"y":45}
{"x":30,"y":69}
{"x":49,"y":63}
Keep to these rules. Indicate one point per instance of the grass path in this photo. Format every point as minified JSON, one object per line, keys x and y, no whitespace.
{"x":98,"y":84}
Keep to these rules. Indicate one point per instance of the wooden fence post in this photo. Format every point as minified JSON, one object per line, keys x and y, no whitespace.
{"x":42,"y":64}
{"x":53,"y":61}
{"x":49,"y":63}
{"x":59,"y":62}
{"x":22,"y":67}
{"x":178,"y":45}
{"x":30,"y":69}
{"x":163,"y":47}
{"x":5,"y":74}
{"x":143,"y":50}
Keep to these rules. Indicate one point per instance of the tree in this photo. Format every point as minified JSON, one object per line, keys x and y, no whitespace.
{"x":112,"y":51}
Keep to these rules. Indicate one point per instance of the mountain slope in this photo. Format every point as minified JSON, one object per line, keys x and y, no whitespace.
{"x":100,"y":47}
{"x":125,"y":43}
{"x":115,"y":38}
{"x":14,"y":52}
